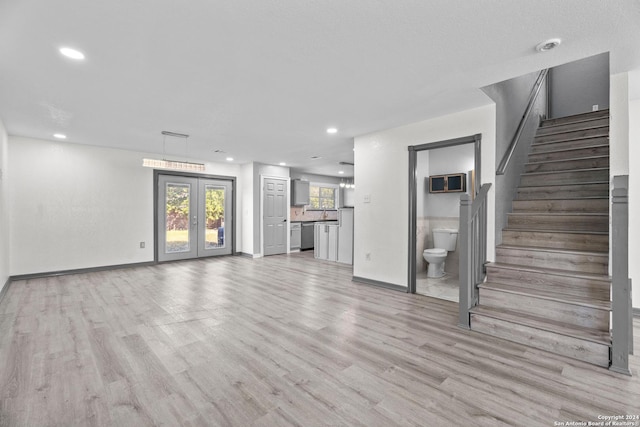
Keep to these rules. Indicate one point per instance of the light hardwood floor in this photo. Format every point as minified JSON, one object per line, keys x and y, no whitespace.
{"x":279,"y":341}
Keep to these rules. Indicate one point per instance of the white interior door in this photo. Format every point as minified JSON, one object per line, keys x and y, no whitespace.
{"x":275,"y":216}
{"x":194,"y":217}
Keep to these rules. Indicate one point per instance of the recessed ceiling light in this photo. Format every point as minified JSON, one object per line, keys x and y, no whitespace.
{"x":548,"y":45}
{"x":60,"y":136}
{"x":282,"y":164}
{"x":332,"y":130}
{"x":72,"y":53}
{"x":341,"y":172}
{"x":229,"y":159}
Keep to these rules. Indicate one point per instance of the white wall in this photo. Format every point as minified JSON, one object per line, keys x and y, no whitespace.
{"x":625,"y":152}
{"x":381,"y":158}
{"x":634,"y":198}
{"x":619,"y":124}
{"x":4,"y":208}
{"x":246,"y":176}
{"x":78,"y":206}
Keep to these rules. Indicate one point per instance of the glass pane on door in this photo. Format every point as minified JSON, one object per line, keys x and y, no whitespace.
{"x":214,"y":217}
{"x":177,"y":204}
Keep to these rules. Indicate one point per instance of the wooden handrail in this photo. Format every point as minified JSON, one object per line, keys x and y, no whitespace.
{"x":502,"y":167}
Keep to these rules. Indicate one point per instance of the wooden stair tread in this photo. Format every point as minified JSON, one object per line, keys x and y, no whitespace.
{"x":542,"y":162}
{"x":576,"y":117}
{"x":550,"y":199}
{"x":578,"y":138}
{"x":547,"y":294}
{"x":533,"y":230}
{"x":559,"y":214}
{"x":562,"y":150}
{"x":564,"y":184}
{"x":603,"y":127}
{"x":606,"y":280}
{"x":563,"y":251}
{"x":582,"y":120}
{"x":563,"y":171}
{"x":545,"y":324}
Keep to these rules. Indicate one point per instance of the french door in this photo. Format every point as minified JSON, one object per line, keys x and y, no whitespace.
{"x":194,"y":217}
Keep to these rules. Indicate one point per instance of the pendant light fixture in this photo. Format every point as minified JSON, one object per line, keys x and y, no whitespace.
{"x":173,"y":164}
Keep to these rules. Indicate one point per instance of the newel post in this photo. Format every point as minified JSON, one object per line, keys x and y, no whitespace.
{"x":466,"y":260}
{"x":620,"y":295}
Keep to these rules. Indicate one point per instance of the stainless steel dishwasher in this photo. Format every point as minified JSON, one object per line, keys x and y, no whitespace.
{"x":307,"y":236}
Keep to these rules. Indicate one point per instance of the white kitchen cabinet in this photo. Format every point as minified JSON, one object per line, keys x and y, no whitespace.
{"x":326,"y":241}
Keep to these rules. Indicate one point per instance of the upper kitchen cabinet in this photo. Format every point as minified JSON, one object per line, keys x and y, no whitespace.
{"x":300,"y":193}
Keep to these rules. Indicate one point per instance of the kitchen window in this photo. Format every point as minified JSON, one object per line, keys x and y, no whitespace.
{"x":322,"y":196}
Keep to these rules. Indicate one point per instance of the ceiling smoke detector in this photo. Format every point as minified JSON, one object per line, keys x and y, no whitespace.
{"x":548,"y":45}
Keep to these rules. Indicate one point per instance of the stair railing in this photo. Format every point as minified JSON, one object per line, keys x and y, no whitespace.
{"x":622,"y":314}
{"x":473,"y":250}
{"x":502,"y":167}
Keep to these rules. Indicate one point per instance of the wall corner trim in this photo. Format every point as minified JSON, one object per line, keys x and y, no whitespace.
{"x":379,"y":284}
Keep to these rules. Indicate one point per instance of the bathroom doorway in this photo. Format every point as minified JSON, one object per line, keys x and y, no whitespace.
{"x":440,"y":173}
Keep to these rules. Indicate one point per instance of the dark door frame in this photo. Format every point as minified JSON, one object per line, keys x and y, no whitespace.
{"x":156,"y":175}
{"x":413,"y":188}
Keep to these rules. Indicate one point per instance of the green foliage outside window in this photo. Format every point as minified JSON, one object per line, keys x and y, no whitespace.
{"x":178,"y":197}
{"x":322,"y":197}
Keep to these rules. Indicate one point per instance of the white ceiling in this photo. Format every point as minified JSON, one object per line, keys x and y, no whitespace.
{"x":262,"y":80}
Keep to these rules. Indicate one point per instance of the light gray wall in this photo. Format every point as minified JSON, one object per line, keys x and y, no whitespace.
{"x":578,"y":85}
{"x":4,"y":207}
{"x":511,"y":98}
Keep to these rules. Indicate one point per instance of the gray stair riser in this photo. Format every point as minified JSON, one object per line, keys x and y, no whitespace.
{"x":562,"y":205}
{"x":583,"y":133}
{"x":578,"y":191}
{"x":558,"y":240}
{"x":576,"y":153}
{"x":585,"y":263}
{"x":571,"y":285}
{"x":563,"y":178}
{"x":587,"y":351}
{"x":534,"y":221}
{"x":569,"y":145}
{"x":575,"y":118}
{"x":570,"y":314}
{"x":564,"y":165}
{"x":573,"y":126}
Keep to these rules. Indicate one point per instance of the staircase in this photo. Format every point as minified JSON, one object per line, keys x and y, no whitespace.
{"x":549,"y":287}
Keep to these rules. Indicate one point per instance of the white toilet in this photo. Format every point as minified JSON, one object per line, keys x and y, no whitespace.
{"x":444,"y":240}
